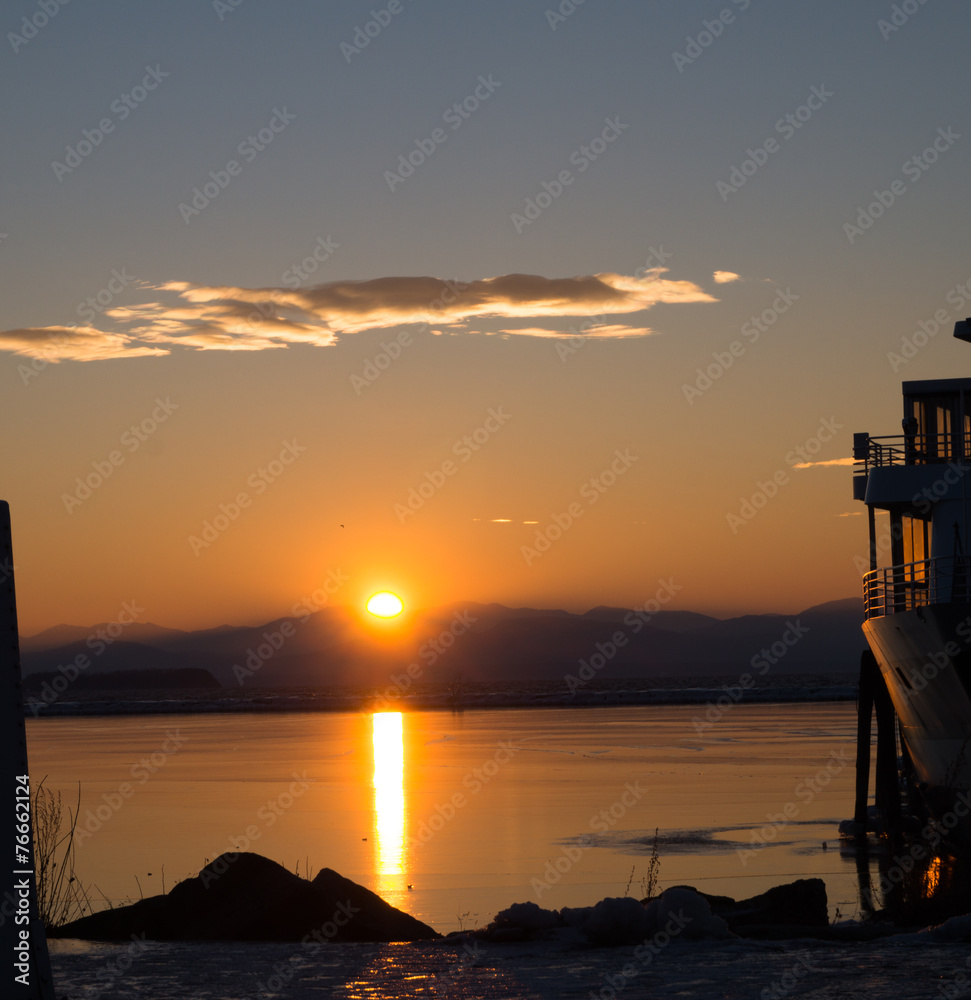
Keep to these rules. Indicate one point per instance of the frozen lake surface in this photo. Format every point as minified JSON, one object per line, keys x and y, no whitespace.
{"x":457,"y":815}
{"x":454,"y":817}
{"x":888,"y":970}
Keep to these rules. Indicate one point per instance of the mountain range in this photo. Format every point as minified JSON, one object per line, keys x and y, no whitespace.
{"x":473,"y":642}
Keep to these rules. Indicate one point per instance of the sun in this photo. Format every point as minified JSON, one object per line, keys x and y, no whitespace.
{"x":385,"y":605}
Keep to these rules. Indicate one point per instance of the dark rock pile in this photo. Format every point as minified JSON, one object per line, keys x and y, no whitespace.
{"x":246,"y":897}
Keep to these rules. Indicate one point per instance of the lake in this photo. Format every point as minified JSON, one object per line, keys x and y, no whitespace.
{"x":455,"y":816}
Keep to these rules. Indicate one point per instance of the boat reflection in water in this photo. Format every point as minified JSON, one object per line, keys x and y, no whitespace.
{"x":910,"y":882}
{"x":389,"y":803}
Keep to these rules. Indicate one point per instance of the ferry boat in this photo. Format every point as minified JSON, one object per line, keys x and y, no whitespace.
{"x":917,"y":593}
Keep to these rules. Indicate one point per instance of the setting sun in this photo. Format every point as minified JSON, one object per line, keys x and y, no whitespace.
{"x":385,"y":605}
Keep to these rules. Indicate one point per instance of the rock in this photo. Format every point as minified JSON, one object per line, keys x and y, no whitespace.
{"x":953,"y":929}
{"x":683,"y":912}
{"x":246,"y":897}
{"x":783,"y":911}
{"x":529,"y":916}
{"x":615,"y":921}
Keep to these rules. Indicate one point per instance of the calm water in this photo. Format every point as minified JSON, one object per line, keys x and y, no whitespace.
{"x":472,"y":811}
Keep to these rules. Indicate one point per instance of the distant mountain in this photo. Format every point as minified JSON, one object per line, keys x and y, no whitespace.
{"x":472,"y":642}
{"x":63,"y":635}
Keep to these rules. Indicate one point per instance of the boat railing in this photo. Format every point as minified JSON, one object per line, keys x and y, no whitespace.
{"x":891,"y":589}
{"x":908,"y":449}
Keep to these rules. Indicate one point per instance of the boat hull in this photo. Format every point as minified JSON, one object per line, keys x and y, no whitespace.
{"x":924,"y":655}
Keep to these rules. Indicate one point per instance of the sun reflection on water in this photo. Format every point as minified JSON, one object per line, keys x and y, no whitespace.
{"x":389,"y":802}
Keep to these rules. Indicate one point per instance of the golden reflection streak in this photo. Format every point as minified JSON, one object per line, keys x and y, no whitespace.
{"x":389,"y":801}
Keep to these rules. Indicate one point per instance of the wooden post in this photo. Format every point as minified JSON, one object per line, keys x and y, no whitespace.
{"x":864,"y":721}
{"x":887,"y":783}
{"x":21,"y":931}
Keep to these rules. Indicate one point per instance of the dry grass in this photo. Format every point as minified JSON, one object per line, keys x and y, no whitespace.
{"x":60,"y":896}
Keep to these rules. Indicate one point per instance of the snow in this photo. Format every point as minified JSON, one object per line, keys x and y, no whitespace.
{"x":890,"y":969}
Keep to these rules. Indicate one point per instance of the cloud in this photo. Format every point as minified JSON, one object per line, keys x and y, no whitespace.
{"x":69,"y":343}
{"x":829,"y":462}
{"x":592,"y":331}
{"x":232,"y":318}
{"x":724,"y":277}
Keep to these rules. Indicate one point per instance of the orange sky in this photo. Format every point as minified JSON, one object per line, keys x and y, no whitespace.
{"x":643,"y":356}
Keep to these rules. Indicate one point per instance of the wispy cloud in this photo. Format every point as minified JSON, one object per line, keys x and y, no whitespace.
{"x":232,"y":318}
{"x":724,"y":277}
{"x":71,"y":343}
{"x":829,"y":462}
{"x":597,"y":332}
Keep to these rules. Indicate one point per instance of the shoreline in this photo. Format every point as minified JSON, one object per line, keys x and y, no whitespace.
{"x":442,"y":697}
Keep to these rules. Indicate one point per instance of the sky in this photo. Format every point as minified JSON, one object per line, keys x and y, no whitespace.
{"x":550,"y":305}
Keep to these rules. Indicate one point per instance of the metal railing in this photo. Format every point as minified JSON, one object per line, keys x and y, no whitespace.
{"x":908,"y":449}
{"x":892,"y":589}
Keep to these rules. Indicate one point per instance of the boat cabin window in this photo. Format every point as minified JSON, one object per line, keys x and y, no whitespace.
{"x":937,"y":426}
{"x":915,"y":538}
